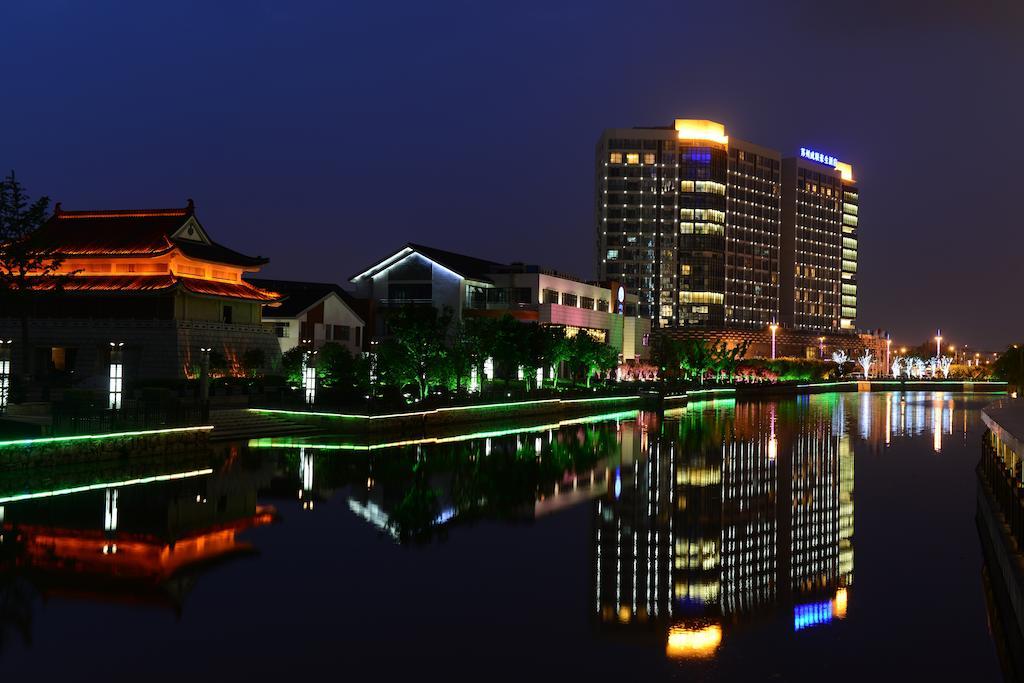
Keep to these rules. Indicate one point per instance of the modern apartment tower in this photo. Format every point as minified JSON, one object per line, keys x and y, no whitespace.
{"x":819,"y":239}
{"x":694,"y":221}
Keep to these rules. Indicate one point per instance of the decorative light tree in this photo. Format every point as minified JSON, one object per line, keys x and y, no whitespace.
{"x":918,"y":368}
{"x":897,"y":367}
{"x":839,"y":358}
{"x":945,"y":363}
{"x":933,"y":366}
{"x":865,"y":362}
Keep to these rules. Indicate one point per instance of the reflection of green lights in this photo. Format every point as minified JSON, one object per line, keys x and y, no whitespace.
{"x":105,"y":485}
{"x":700,"y":405}
{"x":99,"y":437}
{"x":421,"y":413}
{"x":285,"y":442}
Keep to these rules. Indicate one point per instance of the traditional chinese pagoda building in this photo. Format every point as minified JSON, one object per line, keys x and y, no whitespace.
{"x":150,"y":278}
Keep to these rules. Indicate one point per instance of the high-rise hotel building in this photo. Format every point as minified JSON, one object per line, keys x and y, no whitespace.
{"x":691,"y":220}
{"x":819,"y":238}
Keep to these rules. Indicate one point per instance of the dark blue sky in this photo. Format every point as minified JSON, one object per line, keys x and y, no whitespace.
{"x":325,"y":134}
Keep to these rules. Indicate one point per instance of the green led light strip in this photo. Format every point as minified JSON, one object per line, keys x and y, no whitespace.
{"x":285,"y":442}
{"x":98,"y":437}
{"x":105,"y":485}
{"x":421,"y":413}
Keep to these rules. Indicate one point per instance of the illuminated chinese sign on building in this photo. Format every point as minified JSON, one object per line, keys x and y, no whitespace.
{"x":819,"y":157}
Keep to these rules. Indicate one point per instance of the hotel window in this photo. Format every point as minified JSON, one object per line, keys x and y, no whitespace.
{"x":587,"y":303}
{"x":569,"y":299}
{"x":602,"y":305}
{"x":615,"y":158}
{"x":613,"y":253}
{"x":632,"y":158}
{"x":648,"y":158}
{"x":550,"y":296}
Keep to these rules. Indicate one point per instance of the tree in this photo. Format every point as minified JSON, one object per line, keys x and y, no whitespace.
{"x":840,"y":359}
{"x":1010,"y":366}
{"x":696,"y":358}
{"x":559,"y":350}
{"x":337,"y":368}
{"x":726,"y":360}
{"x":537,"y":346}
{"x":21,"y":264}
{"x":291,"y":365}
{"x":592,"y":355}
{"x":865,"y":362}
{"x":415,"y":351}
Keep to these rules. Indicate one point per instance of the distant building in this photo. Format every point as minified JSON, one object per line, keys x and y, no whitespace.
{"x":472,"y":287}
{"x":710,"y":232}
{"x":152,"y":279}
{"x":320,"y":312}
{"x":819,"y":244}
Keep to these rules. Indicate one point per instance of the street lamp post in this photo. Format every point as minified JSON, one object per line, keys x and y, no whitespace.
{"x":888,"y":347}
{"x":308,"y":372}
{"x":938,"y":343}
{"x":116,"y":376}
{"x":5,"y":373}
{"x":774,"y":328}
{"x":821,"y":347}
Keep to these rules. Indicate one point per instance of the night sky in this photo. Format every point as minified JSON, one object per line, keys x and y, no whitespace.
{"x":327,"y":134}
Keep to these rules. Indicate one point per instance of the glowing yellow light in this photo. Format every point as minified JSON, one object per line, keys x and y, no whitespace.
{"x":693,"y":642}
{"x":701,"y":129}
{"x":624,"y":614}
{"x":839,"y":604}
{"x":845,"y":170}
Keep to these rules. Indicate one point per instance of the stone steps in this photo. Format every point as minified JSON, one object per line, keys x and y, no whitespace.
{"x":241,"y":424}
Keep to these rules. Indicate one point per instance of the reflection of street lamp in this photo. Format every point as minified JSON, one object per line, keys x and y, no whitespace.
{"x":774,"y":328}
{"x":204,"y":378}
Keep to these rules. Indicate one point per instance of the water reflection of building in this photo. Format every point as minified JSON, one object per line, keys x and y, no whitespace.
{"x":415,"y":491}
{"x":140,"y":539}
{"x":753,"y":503}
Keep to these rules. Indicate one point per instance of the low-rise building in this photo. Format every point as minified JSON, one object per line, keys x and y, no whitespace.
{"x":149,"y":282}
{"x":315,"y":311}
{"x":473,"y":287}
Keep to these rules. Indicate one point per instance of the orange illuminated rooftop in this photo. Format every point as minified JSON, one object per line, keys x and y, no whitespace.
{"x":701,"y":129}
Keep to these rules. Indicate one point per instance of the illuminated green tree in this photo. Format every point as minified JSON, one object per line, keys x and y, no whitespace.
{"x":592,"y":355}
{"x":415,"y":351}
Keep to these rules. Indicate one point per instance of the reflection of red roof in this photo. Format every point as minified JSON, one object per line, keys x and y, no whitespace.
{"x":132,"y":232}
{"x":128,"y":284}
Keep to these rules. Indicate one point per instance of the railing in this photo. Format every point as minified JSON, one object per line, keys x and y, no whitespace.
{"x":68,"y":420}
{"x":1005,"y":489}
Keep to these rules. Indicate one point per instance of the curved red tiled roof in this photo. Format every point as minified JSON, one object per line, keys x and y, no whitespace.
{"x":128,"y":232}
{"x":146,"y":284}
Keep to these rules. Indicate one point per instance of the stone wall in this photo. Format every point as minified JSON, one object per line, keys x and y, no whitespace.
{"x":158,"y":349}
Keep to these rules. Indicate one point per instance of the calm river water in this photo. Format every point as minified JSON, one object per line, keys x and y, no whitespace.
{"x":828,"y":537}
